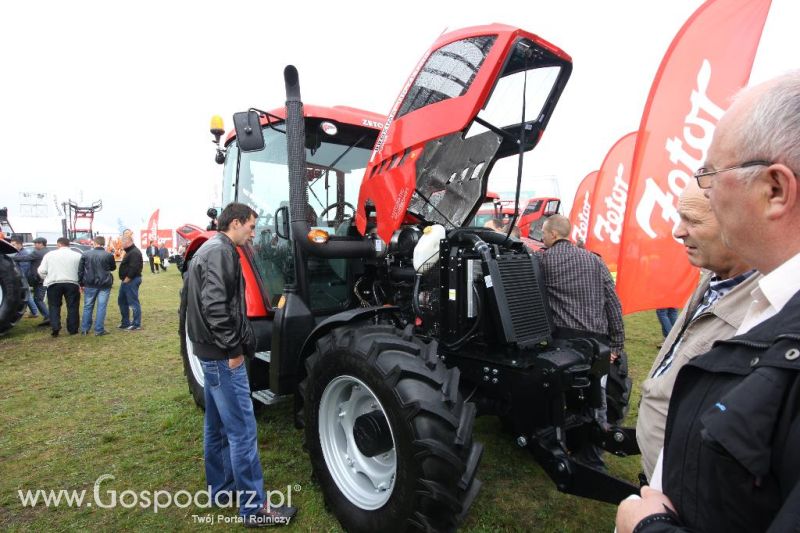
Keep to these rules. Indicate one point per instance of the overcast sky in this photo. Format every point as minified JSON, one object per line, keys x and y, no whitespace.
{"x":112,"y":101}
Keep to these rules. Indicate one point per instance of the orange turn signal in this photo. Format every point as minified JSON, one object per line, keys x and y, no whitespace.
{"x":318,"y":236}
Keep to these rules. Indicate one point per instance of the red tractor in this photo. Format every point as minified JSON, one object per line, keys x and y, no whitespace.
{"x":529,"y":221}
{"x":389,"y":320}
{"x":80,"y":220}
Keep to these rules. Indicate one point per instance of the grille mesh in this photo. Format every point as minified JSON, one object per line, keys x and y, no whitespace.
{"x":523,"y":299}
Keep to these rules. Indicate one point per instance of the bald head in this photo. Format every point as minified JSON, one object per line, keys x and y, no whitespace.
{"x":555,"y":228}
{"x":558,"y":224}
{"x":699,"y":230}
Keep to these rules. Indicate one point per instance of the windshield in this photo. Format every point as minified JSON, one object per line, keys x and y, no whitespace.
{"x":264,"y":175}
{"x":334,"y":169}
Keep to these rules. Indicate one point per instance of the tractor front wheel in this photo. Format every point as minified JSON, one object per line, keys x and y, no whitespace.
{"x":388,"y":433}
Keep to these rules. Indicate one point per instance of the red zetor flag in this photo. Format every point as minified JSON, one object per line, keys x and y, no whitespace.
{"x":707,"y":62}
{"x":152,"y":227}
{"x":609,"y":200}
{"x":582,"y":207}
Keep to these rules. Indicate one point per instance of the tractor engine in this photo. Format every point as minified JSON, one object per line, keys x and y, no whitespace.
{"x":482,"y":297}
{"x":473,"y":286}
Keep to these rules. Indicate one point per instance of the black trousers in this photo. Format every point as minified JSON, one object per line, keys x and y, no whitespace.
{"x":152,"y":265}
{"x":72,"y":295}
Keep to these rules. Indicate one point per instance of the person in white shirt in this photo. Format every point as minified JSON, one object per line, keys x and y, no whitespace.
{"x":59,"y":269}
{"x":730,"y":460}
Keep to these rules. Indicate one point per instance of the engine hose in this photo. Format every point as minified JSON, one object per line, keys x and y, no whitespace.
{"x":478,"y":244}
{"x":415,"y":295}
{"x":486,"y":235}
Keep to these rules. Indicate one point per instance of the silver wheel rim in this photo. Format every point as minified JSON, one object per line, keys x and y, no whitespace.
{"x":1,"y":295}
{"x":367,"y":482}
{"x":194,"y":362}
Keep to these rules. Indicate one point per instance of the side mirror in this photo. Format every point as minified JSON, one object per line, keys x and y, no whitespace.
{"x":248,"y":131}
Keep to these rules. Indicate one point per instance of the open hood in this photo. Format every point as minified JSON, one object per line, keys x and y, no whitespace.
{"x":460,"y":111}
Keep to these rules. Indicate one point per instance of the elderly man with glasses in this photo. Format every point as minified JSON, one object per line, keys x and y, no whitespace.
{"x":731,"y":459}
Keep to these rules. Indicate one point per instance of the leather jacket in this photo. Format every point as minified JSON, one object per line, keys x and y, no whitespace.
{"x":94,"y":270}
{"x":216,"y":315}
{"x":131,"y":265}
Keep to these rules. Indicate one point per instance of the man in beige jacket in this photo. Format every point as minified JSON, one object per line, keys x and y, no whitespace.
{"x":59,"y":270}
{"x":714,"y":311}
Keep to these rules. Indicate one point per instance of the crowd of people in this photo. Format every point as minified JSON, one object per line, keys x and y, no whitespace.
{"x":61,"y":275}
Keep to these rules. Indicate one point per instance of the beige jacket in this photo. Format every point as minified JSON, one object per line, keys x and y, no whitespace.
{"x":720,"y":321}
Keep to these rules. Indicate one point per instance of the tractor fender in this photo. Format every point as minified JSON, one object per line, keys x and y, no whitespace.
{"x":193,"y":246}
{"x":339,"y":319}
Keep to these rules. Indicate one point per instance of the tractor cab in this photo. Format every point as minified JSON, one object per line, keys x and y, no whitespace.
{"x":338,"y":143}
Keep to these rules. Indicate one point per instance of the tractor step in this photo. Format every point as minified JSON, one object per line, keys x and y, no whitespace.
{"x":264,"y":356}
{"x":267,"y":397}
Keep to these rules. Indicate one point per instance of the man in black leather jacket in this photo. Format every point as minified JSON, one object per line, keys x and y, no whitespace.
{"x":216,"y":322}
{"x":94,"y":275}
{"x":130,"y":272}
{"x":731,"y":460}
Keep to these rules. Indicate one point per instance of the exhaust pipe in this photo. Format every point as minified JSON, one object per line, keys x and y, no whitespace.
{"x":298,"y":185}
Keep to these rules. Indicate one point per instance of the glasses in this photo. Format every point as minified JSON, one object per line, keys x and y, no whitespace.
{"x":703,"y":175}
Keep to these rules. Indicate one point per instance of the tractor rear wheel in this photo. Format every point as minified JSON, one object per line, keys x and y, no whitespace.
{"x":13,"y":294}
{"x":387,"y":431}
{"x":192,"y":367}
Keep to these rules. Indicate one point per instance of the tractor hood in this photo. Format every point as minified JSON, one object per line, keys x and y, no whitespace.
{"x":477,"y":95}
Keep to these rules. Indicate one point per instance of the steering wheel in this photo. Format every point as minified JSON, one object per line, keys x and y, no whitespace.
{"x":334,"y":205}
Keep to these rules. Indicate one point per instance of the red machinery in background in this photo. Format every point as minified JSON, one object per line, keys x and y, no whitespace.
{"x":80,"y":219}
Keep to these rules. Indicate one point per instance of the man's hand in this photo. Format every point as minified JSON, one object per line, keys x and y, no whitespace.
{"x":614,"y":357}
{"x":126,"y":280}
{"x":631,"y":512}
{"x":235,"y":362}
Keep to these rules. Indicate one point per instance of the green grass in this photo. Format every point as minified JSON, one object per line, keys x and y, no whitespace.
{"x":75,"y":408}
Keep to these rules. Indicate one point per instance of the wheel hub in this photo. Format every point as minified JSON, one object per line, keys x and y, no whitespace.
{"x":357,"y":442}
{"x":372,"y":435}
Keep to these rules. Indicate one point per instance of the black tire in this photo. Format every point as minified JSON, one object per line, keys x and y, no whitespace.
{"x":191,"y":365}
{"x":618,"y":390}
{"x":435,"y":459}
{"x":13,"y":294}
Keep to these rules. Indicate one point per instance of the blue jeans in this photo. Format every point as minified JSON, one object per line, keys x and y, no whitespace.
{"x":230,"y":444}
{"x":32,"y":304}
{"x":90,"y":294}
{"x":667,"y":317}
{"x":39,"y":292}
{"x":129,"y":299}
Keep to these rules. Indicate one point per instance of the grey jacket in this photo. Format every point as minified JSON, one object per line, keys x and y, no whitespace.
{"x":720,"y":321}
